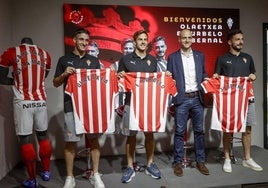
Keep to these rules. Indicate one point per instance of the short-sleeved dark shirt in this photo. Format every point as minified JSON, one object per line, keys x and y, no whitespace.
{"x":133,"y":63}
{"x":235,"y":66}
{"x":72,"y":60}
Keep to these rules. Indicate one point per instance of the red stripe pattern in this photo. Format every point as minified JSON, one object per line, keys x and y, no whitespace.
{"x":29,"y":66}
{"x":93,"y":94}
{"x":149,"y":99}
{"x":230,"y":102}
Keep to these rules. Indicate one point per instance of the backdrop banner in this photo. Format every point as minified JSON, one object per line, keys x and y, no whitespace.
{"x":109,"y":25}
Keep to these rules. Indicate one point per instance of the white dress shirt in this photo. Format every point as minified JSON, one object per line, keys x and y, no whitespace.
{"x":189,"y":72}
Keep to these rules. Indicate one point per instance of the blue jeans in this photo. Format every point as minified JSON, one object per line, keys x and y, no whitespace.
{"x":190,"y":107}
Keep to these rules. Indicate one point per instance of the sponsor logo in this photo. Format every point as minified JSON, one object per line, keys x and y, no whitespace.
{"x":34,"y":105}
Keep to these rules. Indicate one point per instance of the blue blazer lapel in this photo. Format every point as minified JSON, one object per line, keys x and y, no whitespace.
{"x":180,"y":64}
{"x":180,"y":71}
{"x":198,"y":67}
{"x":196,"y":58}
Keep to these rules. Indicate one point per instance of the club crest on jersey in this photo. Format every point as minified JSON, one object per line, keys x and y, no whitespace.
{"x":149,"y":62}
{"x":88,"y":62}
{"x":245,"y":60}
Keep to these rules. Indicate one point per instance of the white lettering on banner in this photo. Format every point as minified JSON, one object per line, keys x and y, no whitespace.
{"x":204,"y":30}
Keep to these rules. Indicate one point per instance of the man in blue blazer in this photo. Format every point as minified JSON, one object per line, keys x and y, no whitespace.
{"x":187,"y":67}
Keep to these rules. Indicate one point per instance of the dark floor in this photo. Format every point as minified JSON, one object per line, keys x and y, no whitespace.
{"x":111,"y":168}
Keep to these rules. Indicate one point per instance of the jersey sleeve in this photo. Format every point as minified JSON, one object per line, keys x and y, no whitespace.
{"x":7,"y":57}
{"x":250,"y":89}
{"x":114,"y":81}
{"x":69,"y":86}
{"x":126,"y":82}
{"x":171,"y":84}
{"x":48,"y":64}
{"x":211,"y":85}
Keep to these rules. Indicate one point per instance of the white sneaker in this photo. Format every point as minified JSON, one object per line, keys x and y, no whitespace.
{"x":252,"y":164}
{"x":69,"y":182}
{"x":96,"y":181}
{"x":227,"y":167}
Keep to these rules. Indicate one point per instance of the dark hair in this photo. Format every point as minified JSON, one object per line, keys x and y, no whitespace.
{"x":80,"y":31}
{"x":125,"y":41}
{"x":158,"y":38}
{"x":137,"y":33}
{"x":233,"y":32}
{"x":93,"y":43}
{"x":26,"y":40}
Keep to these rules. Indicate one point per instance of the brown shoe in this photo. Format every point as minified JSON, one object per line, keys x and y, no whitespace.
{"x":178,"y":169}
{"x":202,"y":168}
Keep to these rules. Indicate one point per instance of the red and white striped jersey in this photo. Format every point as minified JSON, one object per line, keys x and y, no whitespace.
{"x":93,"y":92}
{"x":30,"y":64}
{"x":230,"y":102}
{"x":149,"y":99}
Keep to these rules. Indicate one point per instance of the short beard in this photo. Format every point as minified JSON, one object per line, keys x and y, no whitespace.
{"x":237,"y":49}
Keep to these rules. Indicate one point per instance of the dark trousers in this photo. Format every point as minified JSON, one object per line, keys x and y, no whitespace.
{"x":190,"y":107}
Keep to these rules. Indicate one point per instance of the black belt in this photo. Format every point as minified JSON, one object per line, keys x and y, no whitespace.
{"x":191,"y":94}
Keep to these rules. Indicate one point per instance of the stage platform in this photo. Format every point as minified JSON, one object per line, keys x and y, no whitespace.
{"x":111,"y":168}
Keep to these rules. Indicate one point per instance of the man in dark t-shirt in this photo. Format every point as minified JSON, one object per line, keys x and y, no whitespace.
{"x":67,"y":65}
{"x":238,"y":64}
{"x":138,"y":61}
